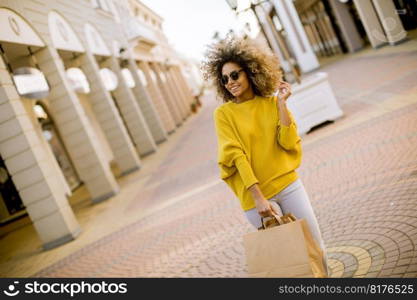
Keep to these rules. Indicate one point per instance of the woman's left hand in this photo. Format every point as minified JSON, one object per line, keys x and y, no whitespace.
{"x":284,"y":90}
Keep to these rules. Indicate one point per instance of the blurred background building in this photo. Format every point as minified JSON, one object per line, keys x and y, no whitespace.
{"x":304,"y":33}
{"x":87,"y":89}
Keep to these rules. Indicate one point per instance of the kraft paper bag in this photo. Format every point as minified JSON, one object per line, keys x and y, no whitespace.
{"x":285,"y":248}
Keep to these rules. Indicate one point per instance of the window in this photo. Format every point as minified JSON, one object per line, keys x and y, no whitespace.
{"x":103,"y":5}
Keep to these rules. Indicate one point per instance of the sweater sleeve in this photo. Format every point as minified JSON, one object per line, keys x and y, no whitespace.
{"x":288,"y":135}
{"x":231,"y":156}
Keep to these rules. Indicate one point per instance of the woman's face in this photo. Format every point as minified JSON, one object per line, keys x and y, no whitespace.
{"x":237,"y":81}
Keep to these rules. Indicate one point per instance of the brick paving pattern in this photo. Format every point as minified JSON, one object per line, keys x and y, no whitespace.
{"x":362,"y":182}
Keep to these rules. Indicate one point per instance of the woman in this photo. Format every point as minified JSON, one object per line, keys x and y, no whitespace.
{"x":258,"y":144}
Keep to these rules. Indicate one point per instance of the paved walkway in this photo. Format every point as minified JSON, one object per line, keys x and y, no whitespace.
{"x":175,"y":218}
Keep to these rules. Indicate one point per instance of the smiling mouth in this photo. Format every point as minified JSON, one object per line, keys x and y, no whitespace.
{"x":234,"y":89}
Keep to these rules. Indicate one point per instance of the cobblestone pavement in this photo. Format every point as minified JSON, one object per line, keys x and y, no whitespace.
{"x":361,"y":177}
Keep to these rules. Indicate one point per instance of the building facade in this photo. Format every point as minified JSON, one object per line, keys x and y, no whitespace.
{"x":83,"y":97}
{"x":302,"y":31}
{"x":347,"y":26}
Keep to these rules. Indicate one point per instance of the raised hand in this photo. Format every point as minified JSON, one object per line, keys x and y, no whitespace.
{"x":284,"y":90}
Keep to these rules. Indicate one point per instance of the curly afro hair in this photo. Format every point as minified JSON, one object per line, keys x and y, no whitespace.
{"x":261,"y":66}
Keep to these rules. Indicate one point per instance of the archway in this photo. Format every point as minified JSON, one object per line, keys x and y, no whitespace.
{"x":17,"y":37}
{"x":123,"y":97}
{"x":35,"y":174}
{"x":71,"y":51}
{"x":18,"y":43}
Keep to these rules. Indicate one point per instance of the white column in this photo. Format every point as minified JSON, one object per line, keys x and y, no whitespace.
{"x":388,"y":16}
{"x":77,"y":135}
{"x":32,"y":171}
{"x":285,"y":64}
{"x":157,"y":98}
{"x":176,"y":97}
{"x":131,"y":113}
{"x":168,"y":97}
{"x":182,"y":98}
{"x":110,"y":120}
{"x":148,"y":109}
{"x":370,"y":21}
{"x":184,"y":84}
{"x":297,"y":37}
{"x":347,"y":26}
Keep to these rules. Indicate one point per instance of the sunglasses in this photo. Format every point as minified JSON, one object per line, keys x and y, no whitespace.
{"x":234,"y":75}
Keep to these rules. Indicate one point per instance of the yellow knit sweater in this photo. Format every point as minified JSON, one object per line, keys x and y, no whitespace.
{"x":253,"y":147}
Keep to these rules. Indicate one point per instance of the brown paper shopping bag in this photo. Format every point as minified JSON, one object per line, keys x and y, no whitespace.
{"x":285,"y":248}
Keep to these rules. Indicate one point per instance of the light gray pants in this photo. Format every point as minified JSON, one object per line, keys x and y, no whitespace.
{"x":293,"y":199}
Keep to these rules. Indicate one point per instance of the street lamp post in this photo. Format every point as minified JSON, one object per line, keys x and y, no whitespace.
{"x":281,"y":43}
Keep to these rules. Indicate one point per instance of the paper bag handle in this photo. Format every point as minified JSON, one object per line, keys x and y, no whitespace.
{"x":277,"y":217}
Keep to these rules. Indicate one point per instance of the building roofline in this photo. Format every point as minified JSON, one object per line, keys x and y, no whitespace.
{"x":161,"y":19}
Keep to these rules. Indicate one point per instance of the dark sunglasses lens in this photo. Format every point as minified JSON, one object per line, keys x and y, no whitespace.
{"x":225,"y":79}
{"x":234,"y":75}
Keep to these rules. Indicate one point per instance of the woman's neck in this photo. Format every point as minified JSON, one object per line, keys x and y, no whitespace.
{"x":247,"y":95}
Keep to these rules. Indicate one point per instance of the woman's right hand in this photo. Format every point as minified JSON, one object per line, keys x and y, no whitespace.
{"x":262,"y":204}
{"x":264,"y":208}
